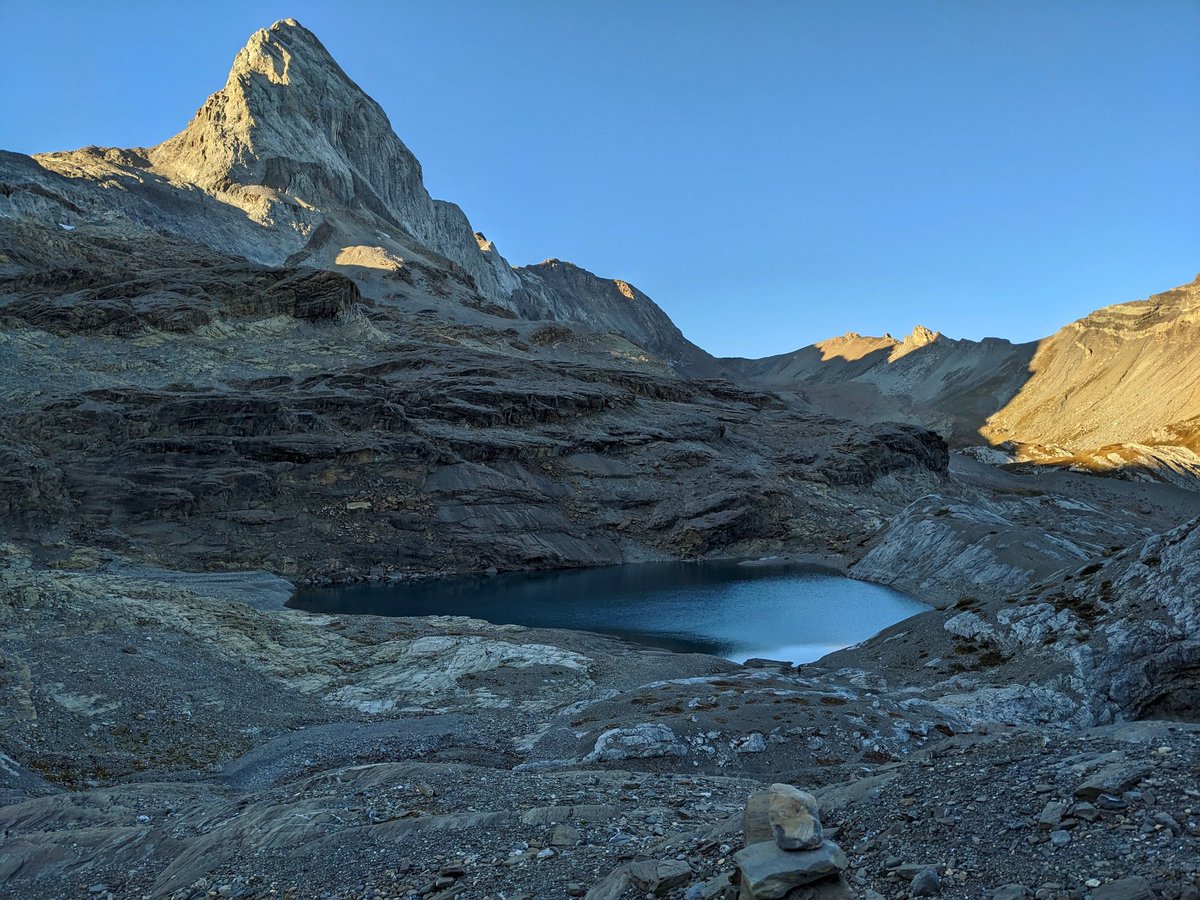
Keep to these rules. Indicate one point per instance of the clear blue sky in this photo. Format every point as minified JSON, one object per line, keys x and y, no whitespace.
{"x":772,"y":173}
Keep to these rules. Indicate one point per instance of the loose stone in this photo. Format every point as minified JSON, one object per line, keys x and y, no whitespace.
{"x":793,"y":817}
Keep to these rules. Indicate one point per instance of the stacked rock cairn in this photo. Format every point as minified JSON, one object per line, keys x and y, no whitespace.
{"x":786,"y":854}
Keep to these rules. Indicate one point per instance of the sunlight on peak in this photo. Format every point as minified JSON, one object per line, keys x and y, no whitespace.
{"x":368,"y":258}
{"x":625,"y":288}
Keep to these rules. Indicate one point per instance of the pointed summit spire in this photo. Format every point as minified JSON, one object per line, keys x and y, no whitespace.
{"x":291,"y":138}
{"x":289,"y":118}
{"x":921,"y":336}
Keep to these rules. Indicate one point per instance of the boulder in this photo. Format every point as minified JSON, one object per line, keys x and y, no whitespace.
{"x":769,"y":873}
{"x":792,"y":814}
{"x":642,"y":741}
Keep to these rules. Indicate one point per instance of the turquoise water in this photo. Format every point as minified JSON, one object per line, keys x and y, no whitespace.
{"x":726,"y":609}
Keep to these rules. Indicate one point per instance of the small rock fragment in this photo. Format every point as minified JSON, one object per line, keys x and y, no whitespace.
{"x":1111,"y":803}
{"x":751,"y":743}
{"x":1114,"y":778}
{"x":1052,"y":813}
{"x":1009,"y":892}
{"x":564,"y":836}
{"x":1085,"y":811}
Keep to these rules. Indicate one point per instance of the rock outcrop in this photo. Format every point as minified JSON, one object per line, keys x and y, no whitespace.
{"x":563,"y":292}
{"x":1109,"y":640}
{"x":332,"y":449}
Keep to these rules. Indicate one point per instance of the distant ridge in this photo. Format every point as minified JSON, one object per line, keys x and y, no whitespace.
{"x":1117,"y":391}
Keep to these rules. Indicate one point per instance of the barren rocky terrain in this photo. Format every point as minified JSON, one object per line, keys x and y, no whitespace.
{"x":260,"y":354}
{"x":163,"y":740}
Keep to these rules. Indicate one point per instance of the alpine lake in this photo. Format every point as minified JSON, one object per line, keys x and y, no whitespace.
{"x":735,"y":610}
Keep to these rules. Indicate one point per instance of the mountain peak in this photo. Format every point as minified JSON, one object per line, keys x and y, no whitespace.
{"x":285,"y":99}
{"x":272,"y":52}
{"x":921,"y":336}
{"x":293,"y":141}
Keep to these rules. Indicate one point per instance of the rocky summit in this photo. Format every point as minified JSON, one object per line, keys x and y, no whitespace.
{"x":260,"y":355}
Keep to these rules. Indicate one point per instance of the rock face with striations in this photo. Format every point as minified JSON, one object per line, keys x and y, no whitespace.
{"x":1117,"y":392}
{"x":261,"y":344}
{"x":1113,"y":639}
{"x":289,"y":126}
{"x":294,"y":143}
{"x":279,"y":351}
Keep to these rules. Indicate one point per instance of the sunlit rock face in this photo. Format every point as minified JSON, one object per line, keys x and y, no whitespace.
{"x":301,"y":159}
{"x":1116,"y":392}
{"x":292,"y":163}
{"x":291,"y":138}
{"x":1125,"y":374}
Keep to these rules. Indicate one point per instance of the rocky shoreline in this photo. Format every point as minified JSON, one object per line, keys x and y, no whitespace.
{"x":411,"y":758}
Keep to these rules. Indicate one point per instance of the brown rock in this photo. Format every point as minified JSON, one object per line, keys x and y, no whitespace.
{"x":792,"y":814}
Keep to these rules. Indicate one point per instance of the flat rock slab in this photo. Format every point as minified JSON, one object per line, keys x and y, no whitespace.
{"x":1134,"y":888}
{"x":655,"y":876}
{"x":769,"y":873}
{"x":1114,"y":779}
{"x":756,"y":827}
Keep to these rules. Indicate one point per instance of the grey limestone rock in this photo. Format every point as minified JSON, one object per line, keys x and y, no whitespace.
{"x":1114,"y":778}
{"x":640,"y":741}
{"x":756,"y":823}
{"x":1133,"y":888}
{"x":1010,"y":892}
{"x":1052,"y":813}
{"x":926,"y":883}
{"x":770,"y":873}
{"x":290,"y":126}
